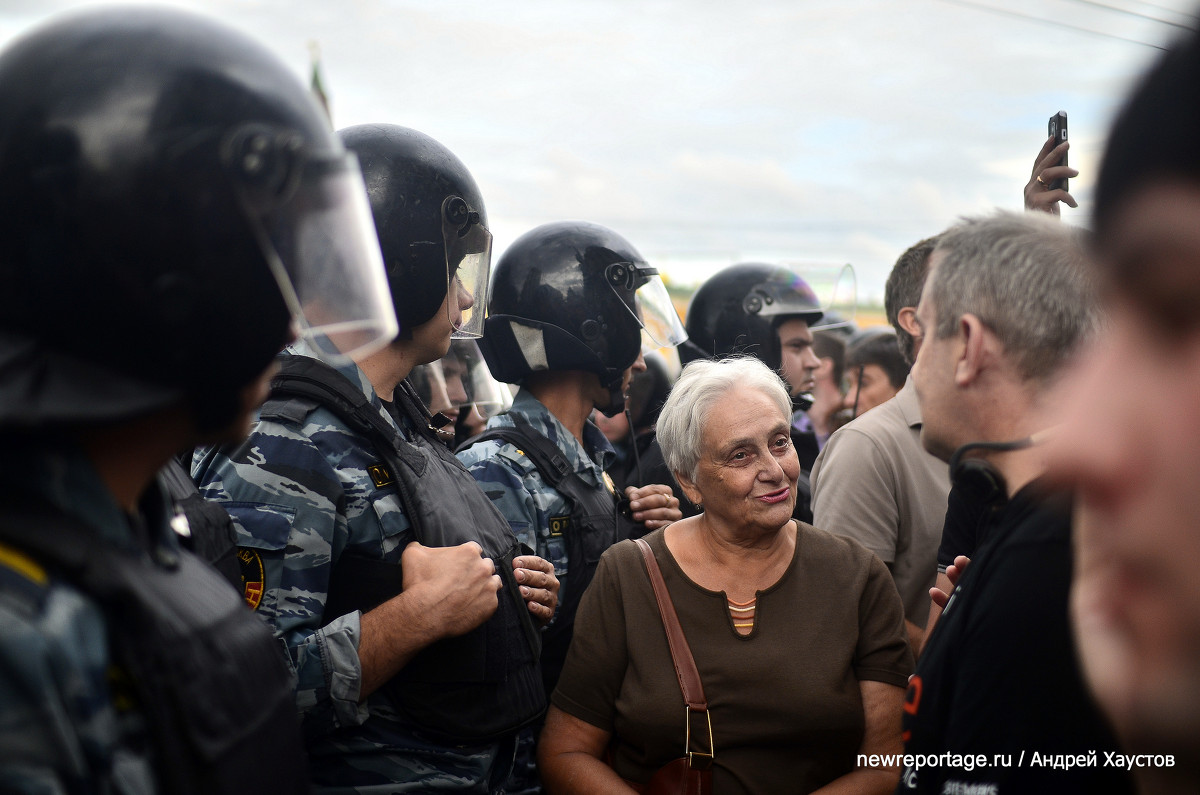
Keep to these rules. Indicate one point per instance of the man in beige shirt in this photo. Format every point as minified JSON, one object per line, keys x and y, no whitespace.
{"x":873,"y":481}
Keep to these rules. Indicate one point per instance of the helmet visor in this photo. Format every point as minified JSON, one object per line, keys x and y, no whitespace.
{"x":784,"y":293}
{"x":459,"y":381}
{"x":661,"y":327}
{"x":468,"y":261}
{"x":320,"y":242}
{"x":834,"y":288}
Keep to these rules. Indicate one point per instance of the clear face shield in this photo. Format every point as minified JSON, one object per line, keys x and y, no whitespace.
{"x":313,"y":224}
{"x":833,"y":288}
{"x":655,"y":313}
{"x":468,"y":266}
{"x":460,"y":382}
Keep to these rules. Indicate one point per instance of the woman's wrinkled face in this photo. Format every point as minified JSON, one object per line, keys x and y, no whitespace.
{"x":748,"y":469}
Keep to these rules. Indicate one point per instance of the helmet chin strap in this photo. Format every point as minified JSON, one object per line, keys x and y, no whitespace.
{"x":616,"y":397}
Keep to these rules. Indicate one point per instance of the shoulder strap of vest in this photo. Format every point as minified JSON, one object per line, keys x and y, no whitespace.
{"x":61,"y":541}
{"x":309,"y":379}
{"x":194,"y":753}
{"x":546,"y":456}
{"x":407,"y":400}
{"x":175,"y":480}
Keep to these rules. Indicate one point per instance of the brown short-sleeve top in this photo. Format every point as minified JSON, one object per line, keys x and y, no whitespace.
{"x":784,"y":700}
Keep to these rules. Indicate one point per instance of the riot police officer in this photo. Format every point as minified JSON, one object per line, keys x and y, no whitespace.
{"x":569,"y":305}
{"x":161,"y":178}
{"x":403,"y":598}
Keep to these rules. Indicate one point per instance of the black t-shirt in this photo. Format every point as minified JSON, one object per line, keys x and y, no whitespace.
{"x":967,"y":520}
{"x":999,"y":676}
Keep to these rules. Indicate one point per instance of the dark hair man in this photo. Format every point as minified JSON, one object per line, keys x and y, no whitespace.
{"x":875,"y":371}
{"x":569,"y":306}
{"x":873,"y":482}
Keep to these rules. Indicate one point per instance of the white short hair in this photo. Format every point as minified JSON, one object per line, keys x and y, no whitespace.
{"x":701,"y":384}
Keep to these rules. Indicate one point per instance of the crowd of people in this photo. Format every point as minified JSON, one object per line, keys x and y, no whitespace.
{"x":408,"y":520}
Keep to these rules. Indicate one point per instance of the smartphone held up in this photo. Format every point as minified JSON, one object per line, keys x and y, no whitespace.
{"x":1057,"y":128}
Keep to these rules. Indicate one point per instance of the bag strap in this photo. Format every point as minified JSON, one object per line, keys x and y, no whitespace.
{"x":681,"y":655}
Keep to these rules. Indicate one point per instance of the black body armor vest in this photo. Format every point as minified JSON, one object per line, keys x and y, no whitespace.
{"x":210,"y":534}
{"x":204,"y":672}
{"x":475,"y":687}
{"x":597,"y":522}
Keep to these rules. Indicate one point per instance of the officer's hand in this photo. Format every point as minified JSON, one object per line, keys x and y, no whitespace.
{"x":456,"y":586}
{"x":654,"y":505}
{"x":538,"y":584}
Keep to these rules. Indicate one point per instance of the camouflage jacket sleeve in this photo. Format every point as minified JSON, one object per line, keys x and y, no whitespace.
{"x":514,"y":485}
{"x":60,"y":731}
{"x":506,"y":481}
{"x":300,"y":495}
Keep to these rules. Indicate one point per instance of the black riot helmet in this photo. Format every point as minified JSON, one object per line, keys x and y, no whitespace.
{"x":573,"y":295}
{"x":430,"y":219}
{"x":173,"y":209}
{"x":738,"y":309}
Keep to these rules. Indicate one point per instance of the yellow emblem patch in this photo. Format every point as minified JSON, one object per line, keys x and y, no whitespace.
{"x":608,"y":483}
{"x":380,"y":476}
{"x":559,"y":525}
{"x":252,"y":576}
{"x":21,"y":563}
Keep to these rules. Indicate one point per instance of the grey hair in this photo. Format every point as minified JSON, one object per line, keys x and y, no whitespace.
{"x":1026,"y":277}
{"x":701,"y":384}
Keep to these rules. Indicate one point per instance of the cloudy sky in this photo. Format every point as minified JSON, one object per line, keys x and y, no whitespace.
{"x":710,"y":132}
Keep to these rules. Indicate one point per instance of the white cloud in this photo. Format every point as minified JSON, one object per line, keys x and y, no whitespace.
{"x":706,"y":130}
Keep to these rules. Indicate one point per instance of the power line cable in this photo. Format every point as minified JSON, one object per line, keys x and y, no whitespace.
{"x":1128,"y":12}
{"x":1168,"y":9}
{"x":1049,"y":22}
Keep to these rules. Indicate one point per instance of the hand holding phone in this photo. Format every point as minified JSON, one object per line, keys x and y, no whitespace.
{"x":1057,"y":129}
{"x":1047,"y":186}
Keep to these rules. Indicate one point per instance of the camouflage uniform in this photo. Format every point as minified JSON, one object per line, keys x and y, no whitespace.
{"x":60,"y":729}
{"x":301,"y":493}
{"x":536,"y":512}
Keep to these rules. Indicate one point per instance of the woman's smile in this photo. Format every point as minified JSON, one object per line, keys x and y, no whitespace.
{"x":777,"y":496}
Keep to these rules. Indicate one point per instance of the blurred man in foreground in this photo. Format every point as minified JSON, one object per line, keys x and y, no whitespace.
{"x":1134,"y":458}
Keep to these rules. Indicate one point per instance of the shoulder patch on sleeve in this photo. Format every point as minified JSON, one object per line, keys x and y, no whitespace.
{"x":252,"y":575}
{"x":517,"y":456}
{"x":16,"y":560}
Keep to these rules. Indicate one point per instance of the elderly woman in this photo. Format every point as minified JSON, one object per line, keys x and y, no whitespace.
{"x":798,"y":635}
